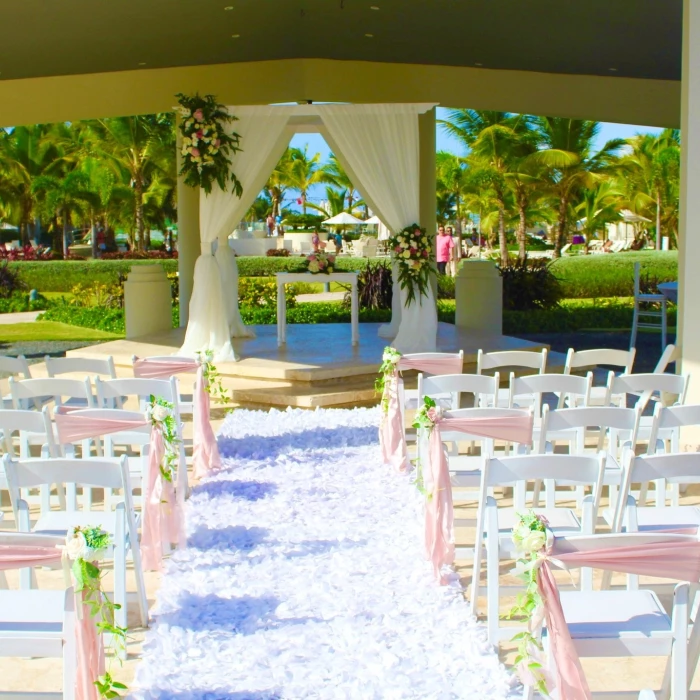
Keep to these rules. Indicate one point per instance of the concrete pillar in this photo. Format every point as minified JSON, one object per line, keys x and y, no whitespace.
{"x":427,"y":199}
{"x":689,"y":244}
{"x":479,"y":297}
{"x":187,"y":237}
{"x":147,"y":301}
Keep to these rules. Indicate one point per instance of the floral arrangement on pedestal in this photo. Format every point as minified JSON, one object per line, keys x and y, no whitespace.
{"x":85,"y":547}
{"x":531,"y":538}
{"x":320,"y":263}
{"x":411,"y":249}
{"x":206,"y":146}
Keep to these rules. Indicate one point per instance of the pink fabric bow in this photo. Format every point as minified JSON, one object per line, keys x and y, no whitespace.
{"x":392,"y":439}
{"x":439,"y":512}
{"x":90,"y":651}
{"x":205,"y":452}
{"x":676,"y":560}
{"x":162,"y":514}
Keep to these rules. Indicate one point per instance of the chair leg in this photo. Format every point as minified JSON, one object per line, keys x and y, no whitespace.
{"x":664,"y":325}
{"x":492,"y":577}
{"x":70,"y":656}
{"x":120,"y":615}
{"x":635,"y":321}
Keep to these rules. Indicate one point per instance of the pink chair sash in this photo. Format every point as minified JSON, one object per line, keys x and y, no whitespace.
{"x":675,"y":560}
{"x":439,"y":512}
{"x":392,"y":438}
{"x":90,"y":662}
{"x":162,"y":514}
{"x":205,"y":451}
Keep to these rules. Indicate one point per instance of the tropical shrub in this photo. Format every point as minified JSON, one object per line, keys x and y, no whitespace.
{"x":160,"y":254}
{"x":529,"y":284}
{"x":110,"y":320}
{"x":20,"y":301}
{"x":257,"y":292}
{"x":374,"y":287}
{"x":445,"y":287}
{"x":89,"y":294}
{"x":278,"y":253}
{"x":10,"y":281}
{"x":310,"y":221}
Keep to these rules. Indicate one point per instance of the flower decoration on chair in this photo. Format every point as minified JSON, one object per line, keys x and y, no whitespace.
{"x":387,"y":370}
{"x":85,"y":547}
{"x":426,"y":417}
{"x":160,"y":413}
{"x":212,"y":378}
{"x":206,"y":145}
{"x":531,"y":538}
{"x":411,"y":249}
{"x":320,"y":263}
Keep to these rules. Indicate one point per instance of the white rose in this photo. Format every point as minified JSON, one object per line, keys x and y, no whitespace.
{"x":76,"y":546}
{"x":533,"y":541}
{"x":404,"y":244}
{"x":406,"y":254}
{"x":391,"y":357}
{"x":159,"y":413}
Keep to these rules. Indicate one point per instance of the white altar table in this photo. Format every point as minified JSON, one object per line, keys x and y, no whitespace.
{"x":284,"y":278}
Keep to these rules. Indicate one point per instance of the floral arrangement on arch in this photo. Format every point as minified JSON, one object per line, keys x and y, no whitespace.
{"x":320,"y":263}
{"x":206,"y":146}
{"x":411,"y":249}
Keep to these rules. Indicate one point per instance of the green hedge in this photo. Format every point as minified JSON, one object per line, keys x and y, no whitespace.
{"x":110,"y":320}
{"x":612,"y":275}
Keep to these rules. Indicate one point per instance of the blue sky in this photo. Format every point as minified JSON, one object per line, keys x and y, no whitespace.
{"x":445,"y":142}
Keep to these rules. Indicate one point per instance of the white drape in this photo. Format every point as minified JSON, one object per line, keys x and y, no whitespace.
{"x":214,"y":315}
{"x":379,"y":146}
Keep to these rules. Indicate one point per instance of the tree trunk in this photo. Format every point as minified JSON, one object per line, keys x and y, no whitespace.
{"x":458,"y":220}
{"x":65,"y":234}
{"x":522,"y":225}
{"x":502,"y":241}
{"x":138,"y":212}
{"x":303,"y":202}
{"x":93,"y":237}
{"x":658,"y":220}
{"x":147,"y":238}
{"x":560,"y":240}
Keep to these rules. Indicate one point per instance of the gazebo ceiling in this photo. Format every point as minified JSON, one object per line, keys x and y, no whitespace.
{"x":626,"y":38}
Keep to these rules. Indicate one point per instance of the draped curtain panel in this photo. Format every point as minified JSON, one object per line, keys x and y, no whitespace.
{"x":214,"y":315}
{"x":379,"y":146}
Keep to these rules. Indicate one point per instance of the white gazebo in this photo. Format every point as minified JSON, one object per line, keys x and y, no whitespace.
{"x":379,"y":147}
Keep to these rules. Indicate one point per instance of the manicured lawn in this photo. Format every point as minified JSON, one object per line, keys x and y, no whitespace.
{"x":50,"y":330}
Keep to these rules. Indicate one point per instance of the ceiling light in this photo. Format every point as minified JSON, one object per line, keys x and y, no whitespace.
{"x":228,"y":7}
{"x":370,"y":36}
{"x":479,"y":64}
{"x":613,"y":70}
{"x":235,"y":36}
{"x":143,"y":63}
{"x":373,"y":7}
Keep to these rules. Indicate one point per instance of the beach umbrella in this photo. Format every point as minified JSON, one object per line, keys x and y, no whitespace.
{"x":343,"y":219}
{"x":374,"y":220}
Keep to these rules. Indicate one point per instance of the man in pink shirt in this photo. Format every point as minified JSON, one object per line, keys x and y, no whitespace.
{"x":443,"y":245}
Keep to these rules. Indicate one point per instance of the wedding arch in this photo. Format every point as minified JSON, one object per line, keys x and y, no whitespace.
{"x":377,"y":144}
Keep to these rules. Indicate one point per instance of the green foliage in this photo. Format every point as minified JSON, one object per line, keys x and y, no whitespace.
{"x":306,"y":221}
{"x":529,"y":284}
{"x":19,"y":302}
{"x":11,"y":281}
{"x":446,"y":287}
{"x":162,"y":418}
{"x":261,"y":292}
{"x":374,"y":287}
{"x":314,"y":312}
{"x":110,"y":320}
{"x":259,"y":266}
{"x":211,"y":376}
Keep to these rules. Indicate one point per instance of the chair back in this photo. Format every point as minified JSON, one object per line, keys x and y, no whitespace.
{"x":428,"y":356}
{"x":34,"y":423}
{"x":483,"y":387}
{"x":644,"y":386}
{"x":451,"y":435}
{"x":17,"y":366}
{"x":56,"y":388}
{"x":569,"y":389}
{"x":536,"y":360}
{"x":669,"y":355}
{"x":623,"y":359}
{"x":667,"y":422}
{"x":112,"y":392}
{"x":80,"y":365}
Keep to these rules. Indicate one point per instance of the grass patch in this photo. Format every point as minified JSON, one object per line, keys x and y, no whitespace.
{"x":50,"y":330}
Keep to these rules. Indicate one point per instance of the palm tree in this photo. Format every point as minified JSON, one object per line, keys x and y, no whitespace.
{"x":598,"y":206}
{"x":279,"y":182}
{"x":305,"y":172}
{"x":452,"y":184}
{"x":570,"y":163}
{"x":139,"y":148}
{"x":335,"y":203}
{"x":337,"y":176}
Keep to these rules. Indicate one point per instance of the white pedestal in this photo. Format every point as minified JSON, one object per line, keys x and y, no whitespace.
{"x":147,"y":301}
{"x":479,"y":297}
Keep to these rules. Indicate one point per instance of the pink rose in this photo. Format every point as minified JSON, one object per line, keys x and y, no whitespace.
{"x":217,"y":143}
{"x":200,"y":134}
{"x":331,"y":258}
{"x":425,"y":253}
{"x":312,"y":257}
{"x":413,"y":251}
{"x":194,"y":152}
{"x":433,"y":414}
{"x":198,"y":115}
{"x":397,"y":249}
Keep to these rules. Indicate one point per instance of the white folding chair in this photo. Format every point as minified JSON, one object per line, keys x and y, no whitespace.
{"x":601,"y":357}
{"x":121,"y":524}
{"x":616,"y":434}
{"x":624,"y":623}
{"x":39,"y":623}
{"x":670,"y":354}
{"x":508,"y":360}
{"x":19,"y":368}
{"x":653,"y":386}
{"x":495,"y":524}
{"x":111,"y":393}
{"x":639,"y":312}
{"x":72,"y":393}
{"x":446,"y":389}
{"x":56,"y":366}
{"x":409,"y":399}
{"x":186,"y":401}
{"x":569,"y":390}
{"x":32,"y":428}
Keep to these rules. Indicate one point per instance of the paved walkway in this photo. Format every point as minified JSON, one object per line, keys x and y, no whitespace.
{"x":21,"y":317}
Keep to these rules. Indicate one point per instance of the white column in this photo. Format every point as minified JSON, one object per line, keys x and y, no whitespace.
{"x":428,"y":181}
{"x":689,"y":239}
{"x":187,"y":237}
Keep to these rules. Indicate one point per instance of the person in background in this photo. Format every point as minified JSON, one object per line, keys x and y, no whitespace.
{"x":443,"y":248}
{"x":270,"y":224}
{"x":456,"y":253}
{"x":339,"y":241}
{"x":315,"y":241}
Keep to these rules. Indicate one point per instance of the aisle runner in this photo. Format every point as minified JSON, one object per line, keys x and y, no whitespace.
{"x":304,"y":578}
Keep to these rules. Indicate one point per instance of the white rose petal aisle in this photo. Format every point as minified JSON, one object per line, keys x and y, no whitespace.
{"x":304,"y":577}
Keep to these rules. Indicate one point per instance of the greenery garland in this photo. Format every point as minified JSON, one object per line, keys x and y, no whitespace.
{"x":85,"y":546}
{"x":212,"y":379}
{"x":160,"y":413}
{"x":411,"y":250}
{"x":390,"y":360}
{"x":424,"y":419}
{"x":206,"y":147}
{"x":530,"y":536}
